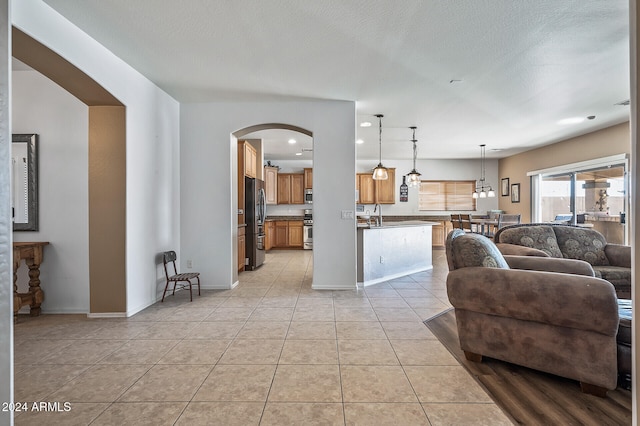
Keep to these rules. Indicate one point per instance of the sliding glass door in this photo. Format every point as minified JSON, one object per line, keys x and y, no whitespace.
{"x":557,"y":198}
{"x":589,"y":194}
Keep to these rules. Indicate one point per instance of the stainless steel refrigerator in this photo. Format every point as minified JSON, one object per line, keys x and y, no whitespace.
{"x":255,"y":212}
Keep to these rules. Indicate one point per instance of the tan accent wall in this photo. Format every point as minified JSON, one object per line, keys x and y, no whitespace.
{"x":107,"y":209}
{"x":602,"y":143}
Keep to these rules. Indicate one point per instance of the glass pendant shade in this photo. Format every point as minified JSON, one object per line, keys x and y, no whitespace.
{"x":414,"y":175}
{"x":414,"y":178}
{"x":380,"y":172}
{"x":482,"y":190}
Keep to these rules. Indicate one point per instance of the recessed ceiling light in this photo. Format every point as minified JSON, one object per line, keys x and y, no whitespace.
{"x":571,"y":120}
{"x":359,"y":141}
{"x":298,"y":153}
{"x":292,"y":141}
{"x":365,"y":124}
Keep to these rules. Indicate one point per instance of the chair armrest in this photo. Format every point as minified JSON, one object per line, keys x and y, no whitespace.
{"x":550,"y":264}
{"x":618,"y":255}
{"x":564,"y":300}
{"x":516,"y":250}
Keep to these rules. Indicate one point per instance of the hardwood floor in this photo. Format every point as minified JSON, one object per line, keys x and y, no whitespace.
{"x":533,"y":397}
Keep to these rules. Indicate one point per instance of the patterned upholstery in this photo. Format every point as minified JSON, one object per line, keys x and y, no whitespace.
{"x":539,"y":237}
{"x":611,"y":262}
{"x":466,"y":250}
{"x":582,"y":244}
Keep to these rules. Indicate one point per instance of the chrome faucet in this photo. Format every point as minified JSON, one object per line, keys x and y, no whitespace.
{"x":379,"y":208}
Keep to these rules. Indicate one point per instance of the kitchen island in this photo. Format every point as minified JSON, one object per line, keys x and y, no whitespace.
{"x":393,"y":250}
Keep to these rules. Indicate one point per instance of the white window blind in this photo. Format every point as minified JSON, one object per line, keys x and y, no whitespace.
{"x":447,"y":195}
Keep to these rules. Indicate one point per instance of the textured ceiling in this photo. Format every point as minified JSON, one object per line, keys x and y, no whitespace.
{"x":518,"y":66}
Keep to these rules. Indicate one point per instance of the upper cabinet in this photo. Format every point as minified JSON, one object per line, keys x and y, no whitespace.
{"x":372,"y":191}
{"x":386,"y":189}
{"x":250,"y":166}
{"x":271,"y":184}
{"x":290,"y":188}
{"x":308,"y":178}
{"x":366,"y":188}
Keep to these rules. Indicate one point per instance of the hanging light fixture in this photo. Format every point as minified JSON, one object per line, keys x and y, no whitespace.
{"x":380,"y":172}
{"x":482,"y":190}
{"x":414,"y":175}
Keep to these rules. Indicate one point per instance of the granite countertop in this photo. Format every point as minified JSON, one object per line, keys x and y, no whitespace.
{"x":273,"y":218}
{"x":399,"y":224}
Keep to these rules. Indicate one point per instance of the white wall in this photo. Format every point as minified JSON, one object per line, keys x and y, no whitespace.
{"x":209,"y":175}
{"x":61,"y":122}
{"x":153,"y":138}
{"x":435,"y":170}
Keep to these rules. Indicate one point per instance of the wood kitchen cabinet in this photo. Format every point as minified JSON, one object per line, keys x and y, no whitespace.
{"x":269,"y":234}
{"x":250,"y":157}
{"x":288,"y":234}
{"x":308,"y":178}
{"x":295,"y":233}
{"x":281,"y":233}
{"x":271,"y":184}
{"x":247,"y":164}
{"x":290,"y":188}
{"x":439,"y":233}
{"x":242,"y":247}
{"x":386,"y":189}
{"x":366,"y":188}
{"x":372,"y":191}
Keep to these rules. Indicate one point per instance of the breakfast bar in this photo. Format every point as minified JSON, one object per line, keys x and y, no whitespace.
{"x":393,"y":250}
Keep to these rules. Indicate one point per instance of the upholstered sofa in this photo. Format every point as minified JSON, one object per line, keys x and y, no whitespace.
{"x":611,"y":262}
{"x":562,"y":322}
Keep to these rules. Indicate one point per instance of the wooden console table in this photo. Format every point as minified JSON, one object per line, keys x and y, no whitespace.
{"x":32,"y":254}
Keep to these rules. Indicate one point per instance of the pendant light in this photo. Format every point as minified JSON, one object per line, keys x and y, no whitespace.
{"x":482,"y":190}
{"x":380,"y":172}
{"x":414,"y":175}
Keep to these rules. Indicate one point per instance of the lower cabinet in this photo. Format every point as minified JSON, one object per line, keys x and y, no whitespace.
{"x":242,"y":247}
{"x":269,"y":234}
{"x":439,"y":233}
{"x":288,"y":234}
{"x":295,"y":233}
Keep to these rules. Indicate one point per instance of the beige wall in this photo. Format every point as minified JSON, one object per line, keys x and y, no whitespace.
{"x":602,"y":143}
{"x":107,"y":209}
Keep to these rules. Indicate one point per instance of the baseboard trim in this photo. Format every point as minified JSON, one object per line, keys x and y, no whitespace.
{"x":107,"y":315}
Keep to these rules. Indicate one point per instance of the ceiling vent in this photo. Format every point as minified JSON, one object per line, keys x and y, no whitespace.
{"x":624,"y":103}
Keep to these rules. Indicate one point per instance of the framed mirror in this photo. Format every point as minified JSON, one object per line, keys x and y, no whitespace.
{"x":24,"y":178}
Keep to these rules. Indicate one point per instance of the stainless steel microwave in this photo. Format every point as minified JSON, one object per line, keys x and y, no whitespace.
{"x":308,"y":196}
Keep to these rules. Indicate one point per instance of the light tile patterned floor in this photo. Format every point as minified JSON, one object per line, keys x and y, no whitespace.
{"x":271,"y":351}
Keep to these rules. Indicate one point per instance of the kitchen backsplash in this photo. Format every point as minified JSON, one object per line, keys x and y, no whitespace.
{"x":287,"y":209}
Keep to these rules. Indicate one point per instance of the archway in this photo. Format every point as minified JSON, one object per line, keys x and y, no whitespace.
{"x":107,"y":174}
{"x":246,"y":133}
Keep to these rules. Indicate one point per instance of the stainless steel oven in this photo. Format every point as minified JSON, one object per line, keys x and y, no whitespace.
{"x":307,"y":230}
{"x":307,"y":237}
{"x":308,"y":196}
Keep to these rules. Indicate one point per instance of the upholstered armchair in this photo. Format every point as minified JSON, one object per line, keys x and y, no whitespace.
{"x":563,"y":322}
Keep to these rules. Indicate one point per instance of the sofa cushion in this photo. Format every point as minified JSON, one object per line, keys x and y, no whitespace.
{"x":582,"y":244}
{"x":539,"y":237}
{"x":470,"y":250}
{"x":616,"y":275}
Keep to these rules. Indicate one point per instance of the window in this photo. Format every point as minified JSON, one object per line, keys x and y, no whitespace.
{"x":590,"y":193}
{"x":447,"y":195}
